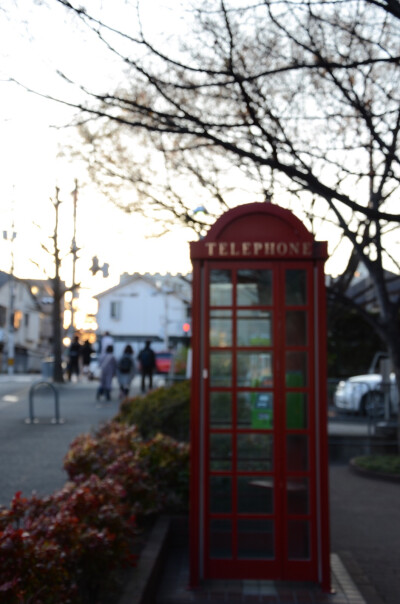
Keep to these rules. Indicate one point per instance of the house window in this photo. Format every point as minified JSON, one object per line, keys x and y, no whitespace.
{"x":115,"y":310}
{"x":3,"y":315}
{"x":17,"y":319}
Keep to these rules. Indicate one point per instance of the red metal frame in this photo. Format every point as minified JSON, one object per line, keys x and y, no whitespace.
{"x":273,"y":239}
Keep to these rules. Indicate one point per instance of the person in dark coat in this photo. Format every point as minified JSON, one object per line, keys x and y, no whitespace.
{"x":125,"y":371}
{"x":147,"y":360}
{"x":108,"y":366}
{"x":86,"y":352}
{"x":73,"y":358}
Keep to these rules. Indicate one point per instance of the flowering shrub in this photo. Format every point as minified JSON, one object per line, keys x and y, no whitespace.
{"x":62,"y":548}
{"x":91,"y":454}
{"x":167,"y":463}
{"x":165,"y":410}
{"x":154,"y":474}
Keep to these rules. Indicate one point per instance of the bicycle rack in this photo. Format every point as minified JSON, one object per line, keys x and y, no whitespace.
{"x":34,"y":420}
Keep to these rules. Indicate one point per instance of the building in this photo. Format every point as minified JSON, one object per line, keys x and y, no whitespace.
{"x":26,"y":304}
{"x":146,"y":307}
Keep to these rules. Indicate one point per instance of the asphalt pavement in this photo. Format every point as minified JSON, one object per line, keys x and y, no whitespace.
{"x":365,"y":513}
{"x":31,"y":454}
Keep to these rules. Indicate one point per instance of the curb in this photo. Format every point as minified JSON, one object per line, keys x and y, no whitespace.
{"x":142,"y":586}
{"x":371,"y":474}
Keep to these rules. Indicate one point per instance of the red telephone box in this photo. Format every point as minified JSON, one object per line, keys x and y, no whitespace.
{"x":259,"y":469}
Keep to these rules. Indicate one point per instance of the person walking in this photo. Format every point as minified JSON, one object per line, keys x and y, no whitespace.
{"x":125,"y":371}
{"x":86,"y":352}
{"x":147,"y":360}
{"x":73,"y":359}
{"x":106,"y":340}
{"x":108,"y":367}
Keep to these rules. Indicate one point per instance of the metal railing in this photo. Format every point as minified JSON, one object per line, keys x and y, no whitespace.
{"x":32,"y":419}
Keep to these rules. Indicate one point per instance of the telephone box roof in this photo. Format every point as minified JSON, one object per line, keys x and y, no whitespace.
{"x":258,"y":230}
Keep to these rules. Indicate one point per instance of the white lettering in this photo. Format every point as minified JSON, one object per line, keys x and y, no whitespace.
{"x":246,"y":248}
{"x":211,"y":248}
{"x":233,"y":250}
{"x":257,"y":248}
{"x":269,"y":249}
{"x":223,"y":248}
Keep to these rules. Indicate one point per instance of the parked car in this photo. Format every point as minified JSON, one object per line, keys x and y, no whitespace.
{"x":163,"y":362}
{"x":364,"y":394}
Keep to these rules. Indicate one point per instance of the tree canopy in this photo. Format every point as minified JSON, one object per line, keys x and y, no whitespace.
{"x":295,"y":99}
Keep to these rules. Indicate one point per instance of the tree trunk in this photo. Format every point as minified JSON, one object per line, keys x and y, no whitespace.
{"x":57,"y":346}
{"x":57,"y":294}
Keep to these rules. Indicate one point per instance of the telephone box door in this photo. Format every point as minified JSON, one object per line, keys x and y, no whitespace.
{"x":259,"y":496}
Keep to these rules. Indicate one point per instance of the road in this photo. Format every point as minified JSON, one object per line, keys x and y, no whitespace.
{"x":31,"y":455}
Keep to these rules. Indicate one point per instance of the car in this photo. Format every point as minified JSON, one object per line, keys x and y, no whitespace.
{"x":163,"y":362}
{"x":364,"y":395}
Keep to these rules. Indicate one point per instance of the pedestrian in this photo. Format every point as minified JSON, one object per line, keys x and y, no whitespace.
{"x":73,"y":358}
{"x":108,"y":367}
{"x":106,"y":340}
{"x":86,"y":353}
{"x":147,"y":360}
{"x":125,"y":370}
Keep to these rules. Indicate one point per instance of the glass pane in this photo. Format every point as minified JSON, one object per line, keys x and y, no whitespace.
{"x":220,"y":409}
{"x":220,"y":368}
{"x":255,"y":494}
{"x":296,"y":328}
{"x":297,"y":496}
{"x":221,"y":328}
{"x":296,"y":369}
{"x":254,"y":328}
{"x":220,"y":288}
{"x":255,"y":539}
{"x":221,"y":539}
{"x":220,"y":494}
{"x":297,"y":452}
{"x":245,"y":403}
{"x":298,"y":540}
{"x":254,"y":452}
{"x":220,"y":452}
{"x":296,"y":410}
{"x":254,"y":369}
{"x":254,"y":288}
{"x":255,"y":410}
{"x":296,"y":287}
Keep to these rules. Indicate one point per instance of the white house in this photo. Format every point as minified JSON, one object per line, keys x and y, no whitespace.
{"x":146,"y":307}
{"x":26,"y":305}
{"x":22,"y":327}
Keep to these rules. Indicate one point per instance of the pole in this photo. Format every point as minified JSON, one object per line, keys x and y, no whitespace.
{"x":74,"y":251}
{"x":11,"y":330}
